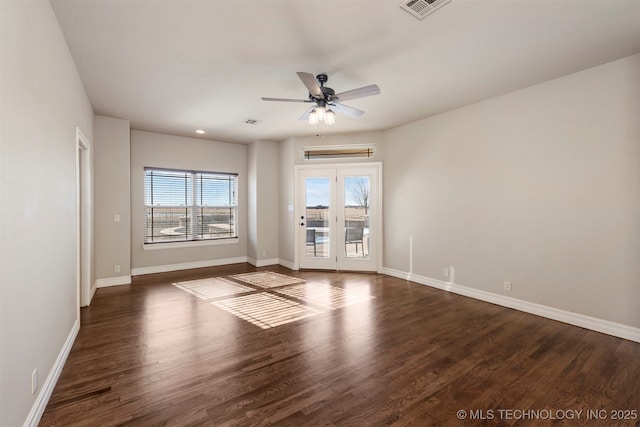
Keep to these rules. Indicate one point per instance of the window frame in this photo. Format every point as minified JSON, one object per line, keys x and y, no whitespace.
{"x":193,"y":211}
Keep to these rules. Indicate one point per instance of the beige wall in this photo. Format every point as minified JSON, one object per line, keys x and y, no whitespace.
{"x":538,"y":187}
{"x":263,"y":189}
{"x":268,"y":200}
{"x":287,"y":223}
{"x":42,"y":102}
{"x":112,"y":187}
{"x":252,"y":200}
{"x":167,"y":151}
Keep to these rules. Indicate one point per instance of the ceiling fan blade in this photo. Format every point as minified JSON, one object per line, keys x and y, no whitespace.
{"x":357,"y":93}
{"x":311,"y":83}
{"x":286,"y":100}
{"x":305,"y":115}
{"x":345,"y":109}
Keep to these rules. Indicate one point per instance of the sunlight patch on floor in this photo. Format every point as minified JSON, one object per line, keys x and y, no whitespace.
{"x":326,"y":295}
{"x":213,"y":287}
{"x":267,"y":279}
{"x":265,"y":310}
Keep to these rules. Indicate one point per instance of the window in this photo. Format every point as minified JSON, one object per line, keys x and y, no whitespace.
{"x":338,"y":152}
{"x":189,"y":205}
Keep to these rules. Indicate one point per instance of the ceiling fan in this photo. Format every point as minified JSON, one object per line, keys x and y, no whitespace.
{"x":326,"y":100}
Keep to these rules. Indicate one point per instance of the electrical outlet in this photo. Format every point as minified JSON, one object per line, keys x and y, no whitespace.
{"x":445,"y":272}
{"x":116,"y":268}
{"x":507,"y":286}
{"x":34,"y":381}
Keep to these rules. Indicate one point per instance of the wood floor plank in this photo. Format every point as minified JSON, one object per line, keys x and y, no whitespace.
{"x":152,"y":354}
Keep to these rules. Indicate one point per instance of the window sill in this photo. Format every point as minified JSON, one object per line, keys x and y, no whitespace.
{"x":190,"y":244}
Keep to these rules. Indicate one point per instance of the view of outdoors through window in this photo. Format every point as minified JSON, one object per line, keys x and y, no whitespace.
{"x":356,"y":216}
{"x":189,"y":205}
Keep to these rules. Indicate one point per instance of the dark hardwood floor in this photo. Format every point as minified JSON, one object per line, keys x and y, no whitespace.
{"x":151,"y":354}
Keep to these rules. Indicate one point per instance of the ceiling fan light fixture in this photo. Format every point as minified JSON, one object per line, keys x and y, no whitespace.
{"x":313,"y":118}
{"x":330,"y":117}
{"x":321,"y":111}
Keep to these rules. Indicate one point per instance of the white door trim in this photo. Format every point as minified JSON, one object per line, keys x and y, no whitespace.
{"x":297,"y":213}
{"x":84,"y":218}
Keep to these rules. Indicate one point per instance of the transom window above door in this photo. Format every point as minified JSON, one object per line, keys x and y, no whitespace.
{"x":337,"y":152}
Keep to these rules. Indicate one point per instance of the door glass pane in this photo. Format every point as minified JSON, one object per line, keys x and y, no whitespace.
{"x":317,"y":217}
{"x":356,"y":216}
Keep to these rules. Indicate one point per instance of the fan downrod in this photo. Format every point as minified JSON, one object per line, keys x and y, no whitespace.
{"x":322,"y":79}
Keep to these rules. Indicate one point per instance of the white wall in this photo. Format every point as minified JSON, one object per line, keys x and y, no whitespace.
{"x":175,"y":152}
{"x":539,"y":187}
{"x":42,"y":102}
{"x":112,"y":188}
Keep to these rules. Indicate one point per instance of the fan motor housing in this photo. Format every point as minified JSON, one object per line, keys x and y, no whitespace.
{"x":326,"y":91}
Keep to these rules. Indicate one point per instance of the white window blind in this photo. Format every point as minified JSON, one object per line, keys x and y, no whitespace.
{"x":189,"y":205}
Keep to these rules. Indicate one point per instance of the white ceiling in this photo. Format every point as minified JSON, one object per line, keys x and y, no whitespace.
{"x":176,"y":66}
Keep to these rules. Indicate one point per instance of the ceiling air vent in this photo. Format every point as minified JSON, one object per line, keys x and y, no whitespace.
{"x":421,"y":8}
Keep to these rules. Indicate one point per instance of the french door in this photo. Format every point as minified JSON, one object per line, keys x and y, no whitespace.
{"x":339,"y":221}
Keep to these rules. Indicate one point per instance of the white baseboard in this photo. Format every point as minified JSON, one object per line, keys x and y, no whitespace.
{"x":396,"y":273}
{"x":287,"y":264}
{"x":186,"y":265}
{"x":49,"y":384}
{"x":595,"y":324}
{"x":92,"y":291}
{"x":262,"y":262}
{"x":113,"y":281}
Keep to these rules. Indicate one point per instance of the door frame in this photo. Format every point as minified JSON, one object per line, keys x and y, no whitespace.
{"x":379,"y":229}
{"x":84,"y":219}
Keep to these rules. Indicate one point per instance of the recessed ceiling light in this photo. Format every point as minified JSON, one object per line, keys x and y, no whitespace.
{"x":200,"y":131}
